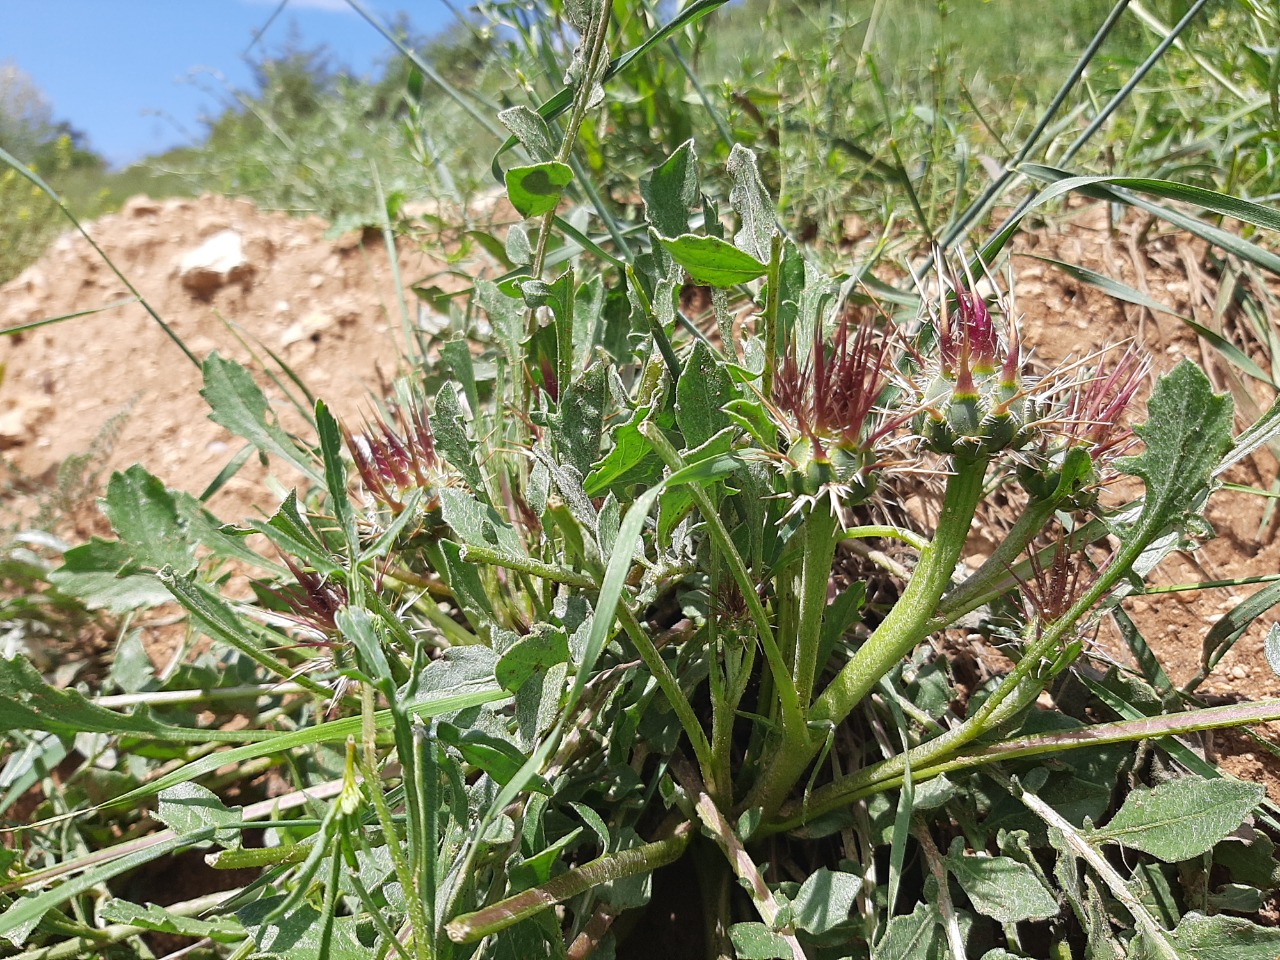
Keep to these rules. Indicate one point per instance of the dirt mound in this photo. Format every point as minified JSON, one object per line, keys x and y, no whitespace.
{"x":114,"y":382}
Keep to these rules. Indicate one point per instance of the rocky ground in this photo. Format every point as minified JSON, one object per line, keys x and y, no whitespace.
{"x":111,"y":388}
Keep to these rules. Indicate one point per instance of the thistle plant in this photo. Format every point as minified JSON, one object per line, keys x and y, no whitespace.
{"x":598,"y":620}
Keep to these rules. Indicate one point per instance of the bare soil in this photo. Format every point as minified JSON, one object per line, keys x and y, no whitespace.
{"x":115,"y":385}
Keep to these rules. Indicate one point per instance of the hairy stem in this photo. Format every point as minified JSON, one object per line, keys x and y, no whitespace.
{"x":906,"y":625}
{"x":614,"y":866}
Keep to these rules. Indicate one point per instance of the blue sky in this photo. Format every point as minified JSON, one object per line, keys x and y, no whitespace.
{"x":136,"y":76}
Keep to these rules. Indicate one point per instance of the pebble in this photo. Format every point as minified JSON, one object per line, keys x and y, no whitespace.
{"x":1239,"y":673}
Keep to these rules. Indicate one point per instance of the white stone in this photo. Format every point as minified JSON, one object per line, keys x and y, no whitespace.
{"x":217,"y":261}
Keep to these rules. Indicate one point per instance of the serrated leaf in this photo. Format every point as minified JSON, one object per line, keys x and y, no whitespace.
{"x":671,"y":190}
{"x":236,"y":403}
{"x":1000,"y":887}
{"x":28,"y":703}
{"x":290,"y":532}
{"x":1180,"y":819}
{"x":536,"y":189}
{"x":713,"y":262}
{"x":702,"y":392}
{"x":755,"y":941}
{"x":825,"y":899}
{"x":1188,"y":429}
{"x":145,"y":515}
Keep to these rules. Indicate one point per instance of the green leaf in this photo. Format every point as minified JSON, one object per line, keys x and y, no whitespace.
{"x":464,"y":583}
{"x":449,"y":429}
{"x":356,"y":625}
{"x":578,"y":424}
{"x":1000,"y":887}
{"x":753,"y":418}
{"x":713,"y":262}
{"x":335,"y":472}
{"x":536,"y":189}
{"x":703,"y":391}
{"x":17,"y":922}
{"x":825,"y":899}
{"x":750,"y":201}
{"x":297,"y":935}
{"x":755,"y":941}
{"x":478,"y":523}
{"x":1254,"y":863}
{"x":1102,"y":188}
{"x":671,"y":190}
{"x":189,"y":808}
{"x":631,"y":461}
{"x":145,"y":515}
{"x":220,"y":622}
{"x":555,"y":347}
{"x":498,"y":758}
{"x":28,"y":703}
{"x":160,"y":920}
{"x":1260,"y":432}
{"x":290,"y":532}
{"x":532,"y":132}
{"x":563,"y":99}
{"x":436,"y":703}
{"x":102,"y":574}
{"x":1188,"y":429}
{"x":913,"y":936}
{"x":1180,"y":819}
{"x":1198,"y":937}
{"x":1121,"y":291}
{"x":540,"y":650}
{"x":237,"y":404}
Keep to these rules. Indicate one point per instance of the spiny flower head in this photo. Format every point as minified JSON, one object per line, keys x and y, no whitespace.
{"x":394,"y":462}
{"x":1089,"y":420}
{"x":314,"y":600}
{"x":827,"y":402}
{"x":1095,"y":407}
{"x":973,"y":399}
